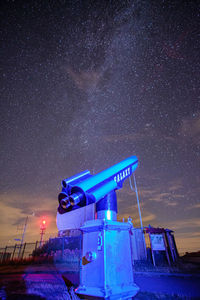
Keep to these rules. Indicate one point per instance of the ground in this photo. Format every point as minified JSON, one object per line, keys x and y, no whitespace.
{"x":56,"y":282}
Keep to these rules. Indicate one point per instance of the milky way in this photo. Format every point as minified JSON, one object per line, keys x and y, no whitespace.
{"x":85,"y":84}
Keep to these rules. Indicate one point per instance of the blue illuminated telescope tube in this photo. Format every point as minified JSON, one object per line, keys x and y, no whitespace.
{"x":83,"y":189}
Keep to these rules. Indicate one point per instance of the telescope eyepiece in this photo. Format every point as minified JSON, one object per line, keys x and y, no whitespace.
{"x":64,"y":200}
{"x":75,"y":198}
{"x":65,"y":203}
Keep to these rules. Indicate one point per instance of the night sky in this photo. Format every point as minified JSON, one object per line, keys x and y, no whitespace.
{"x":85,"y":84}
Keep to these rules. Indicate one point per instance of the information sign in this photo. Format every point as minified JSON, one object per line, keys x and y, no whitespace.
{"x":157,"y":242}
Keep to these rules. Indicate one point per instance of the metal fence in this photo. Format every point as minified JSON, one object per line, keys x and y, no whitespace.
{"x":66,"y":248}
{"x":17,"y":251}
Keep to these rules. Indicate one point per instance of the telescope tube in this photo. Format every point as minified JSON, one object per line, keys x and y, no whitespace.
{"x":83,"y":189}
{"x":113,"y":173}
{"x":95,"y":187}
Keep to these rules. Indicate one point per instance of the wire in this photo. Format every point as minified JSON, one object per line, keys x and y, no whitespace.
{"x":138,"y":202}
{"x":131,"y":186}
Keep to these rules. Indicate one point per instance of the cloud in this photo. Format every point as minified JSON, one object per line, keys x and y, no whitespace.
{"x":171,"y":203}
{"x":147,"y":217}
{"x":185,"y":224}
{"x":9,"y":216}
{"x":194,"y":206}
{"x":189,"y":131}
{"x":187,"y":243}
{"x":168,"y":194}
{"x":16,"y":207}
{"x":145,"y":133}
{"x":195,"y":234}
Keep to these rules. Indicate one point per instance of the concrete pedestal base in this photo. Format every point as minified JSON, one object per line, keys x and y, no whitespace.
{"x":106,"y":267}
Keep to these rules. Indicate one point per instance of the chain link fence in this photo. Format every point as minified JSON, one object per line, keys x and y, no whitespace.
{"x":59,"y":249}
{"x":17,"y":251}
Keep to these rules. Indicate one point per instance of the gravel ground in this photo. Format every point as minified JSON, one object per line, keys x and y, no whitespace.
{"x":57,"y":283}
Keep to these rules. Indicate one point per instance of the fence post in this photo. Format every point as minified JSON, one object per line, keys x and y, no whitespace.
{"x":36,"y":243}
{"x":4,"y":255}
{"x":14,"y":251}
{"x":23,"y":250}
{"x":19,"y":253}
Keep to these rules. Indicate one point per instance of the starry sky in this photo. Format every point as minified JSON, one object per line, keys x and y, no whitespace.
{"x":85,"y":84}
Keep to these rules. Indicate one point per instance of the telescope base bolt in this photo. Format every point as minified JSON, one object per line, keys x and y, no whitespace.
{"x":90,"y":256}
{"x":110,"y":273}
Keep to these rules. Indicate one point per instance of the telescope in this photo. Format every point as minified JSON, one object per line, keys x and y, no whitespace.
{"x":106,"y":270}
{"x":83,"y":189}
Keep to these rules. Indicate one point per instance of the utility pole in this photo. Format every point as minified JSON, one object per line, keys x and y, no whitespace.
{"x":23,"y":235}
{"x":24,"y":231}
{"x":42,"y":231}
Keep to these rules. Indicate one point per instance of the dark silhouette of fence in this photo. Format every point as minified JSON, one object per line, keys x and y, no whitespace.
{"x":17,"y":251}
{"x":65,"y":248}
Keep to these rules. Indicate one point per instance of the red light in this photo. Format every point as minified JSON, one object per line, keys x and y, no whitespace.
{"x":43,"y":223}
